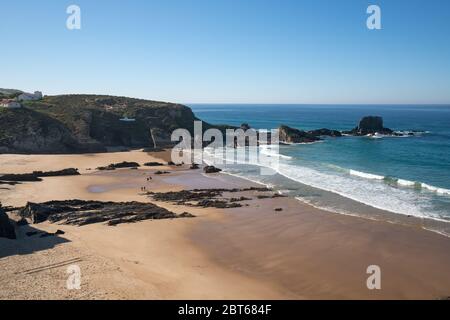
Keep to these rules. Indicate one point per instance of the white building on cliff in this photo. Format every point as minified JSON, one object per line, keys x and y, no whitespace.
{"x":37,"y":95}
{"x":10,"y":104}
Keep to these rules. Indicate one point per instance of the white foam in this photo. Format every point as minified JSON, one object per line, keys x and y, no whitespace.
{"x":370,"y":190}
{"x":377,"y":195}
{"x":366,"y":175}
{"x":268,"y":151}
{"x":406,"y":183}
{"x":435,"y":189}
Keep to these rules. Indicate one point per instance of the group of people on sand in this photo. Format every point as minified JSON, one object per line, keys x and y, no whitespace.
{"x":144,"y":188}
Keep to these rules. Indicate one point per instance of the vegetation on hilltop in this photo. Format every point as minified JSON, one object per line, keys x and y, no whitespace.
{"x":90,"y":123}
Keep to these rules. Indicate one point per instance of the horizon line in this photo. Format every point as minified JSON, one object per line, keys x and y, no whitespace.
{"x":317,"y":104}
{"x":259,"y":103}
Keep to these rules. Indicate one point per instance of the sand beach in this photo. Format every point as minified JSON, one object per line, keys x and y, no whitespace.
{"x":268,"y":248}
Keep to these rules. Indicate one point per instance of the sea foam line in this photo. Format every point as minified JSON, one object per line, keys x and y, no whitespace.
{"x":394,"y":200}
{"x":401,"y":182}
{"x":365,"y":175}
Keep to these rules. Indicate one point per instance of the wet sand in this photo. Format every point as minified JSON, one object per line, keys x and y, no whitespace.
{"x":253,"y":252}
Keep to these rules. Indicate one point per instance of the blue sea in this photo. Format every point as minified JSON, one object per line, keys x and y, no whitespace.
{"x":408,"y":176}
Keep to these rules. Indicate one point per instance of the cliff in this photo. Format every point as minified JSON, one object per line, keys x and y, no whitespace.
{"x":90,"y":123}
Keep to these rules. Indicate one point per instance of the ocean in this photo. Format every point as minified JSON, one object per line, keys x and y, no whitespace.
{"x":408,"y":176}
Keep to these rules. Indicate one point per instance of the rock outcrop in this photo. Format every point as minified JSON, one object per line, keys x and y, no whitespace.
{"x":7,"y":229}
{"x":292,"y":135}
{"x":120,"y":165}
{"x":80,"y":212}
{"x":370,"y":125}
{"x":153,"y":164}
{"x":160,"y":172}
{"x":205,"y":198}
{"x":325,"y":132}
{"x":211,"y":169}
{"x":37,"y":175}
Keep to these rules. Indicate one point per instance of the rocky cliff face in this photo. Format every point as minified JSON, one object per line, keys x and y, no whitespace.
{"x":292,"y":135}
{"x":6,"y":228}
{"x":90,"y":123}
{"x":28,"y":131}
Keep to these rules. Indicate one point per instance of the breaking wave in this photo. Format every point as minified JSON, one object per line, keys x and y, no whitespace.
{"x":382,"y":192}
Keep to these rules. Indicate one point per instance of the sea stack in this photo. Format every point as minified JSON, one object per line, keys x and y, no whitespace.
{"x":371,"y":125}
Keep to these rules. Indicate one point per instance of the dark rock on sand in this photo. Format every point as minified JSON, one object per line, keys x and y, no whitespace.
{"x":124,"y":164}
{"x":59,"y":173}
{"x":153,"y":164}
{"x":291,"y":135}
{"x":80,"y":212}
{"x":7,"y":229}
{"x":38,"y":213}
{"x":37,"y":175}
{"x":186,"y":215}
{"x":184,"y":196}
{"x":221,"y":204}
{"x":153,"y":149}
{"x":194,"y":166}
{"x":161,"y":172}
{"x":273,"y":196}
{"x":204,"y":197}
{"x":211,"y":169}
{"x":10,"y":209}
{"x":240,"y":199}
{"x":10,"y":183}
{"x":23,"y":177}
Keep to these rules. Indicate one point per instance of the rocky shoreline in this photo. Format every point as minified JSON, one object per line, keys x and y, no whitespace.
{"x":82,"y":212}
{"x":371,"y":126}
{"x":35,"y":176}
{"x":54,"y":126}
{"x":211,"y":198}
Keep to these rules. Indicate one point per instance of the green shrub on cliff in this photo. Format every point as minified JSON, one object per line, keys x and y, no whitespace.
{"x":89,"y":123}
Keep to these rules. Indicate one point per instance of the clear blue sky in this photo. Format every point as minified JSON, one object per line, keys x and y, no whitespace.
{"x":225,"y":51}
